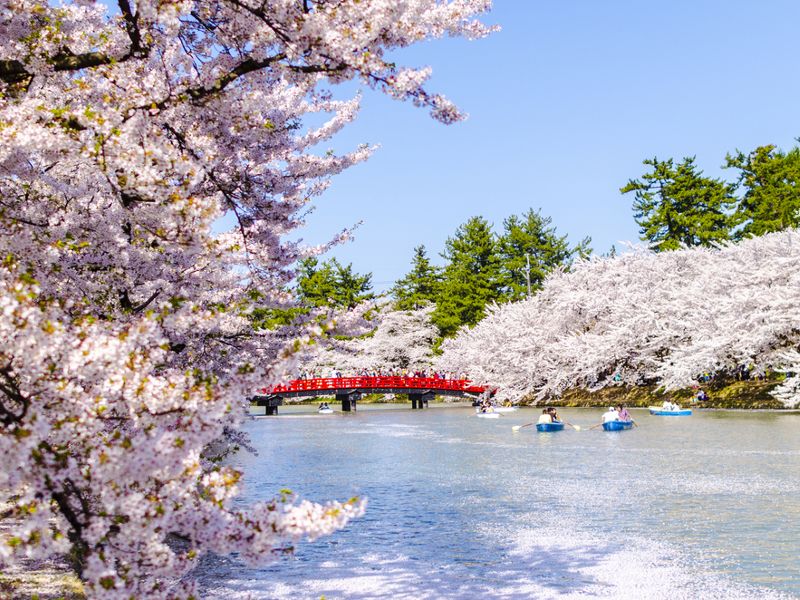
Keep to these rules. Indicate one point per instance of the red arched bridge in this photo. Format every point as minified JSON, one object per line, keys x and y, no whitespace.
{"x":348,"y":390}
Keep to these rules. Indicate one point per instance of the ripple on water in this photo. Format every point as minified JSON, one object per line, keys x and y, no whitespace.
{"x":463,"y":508}
{"x":542,"y":562}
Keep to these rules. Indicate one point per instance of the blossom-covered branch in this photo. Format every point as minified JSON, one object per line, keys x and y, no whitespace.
{"x":128,"y":344}
{"x":398,"y":341}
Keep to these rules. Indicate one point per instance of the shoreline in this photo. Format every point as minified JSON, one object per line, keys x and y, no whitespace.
{"x":723,"y":394}
{"x":597,"y":406}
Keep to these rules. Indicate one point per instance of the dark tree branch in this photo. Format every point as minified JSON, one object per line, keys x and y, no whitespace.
{"x":201,"y":93}
{"x":14,"y":71}
{"x":10,"y":388}
{"x":137,"y":49}
{"x":147,"y":302}
{"x":126,"y":304}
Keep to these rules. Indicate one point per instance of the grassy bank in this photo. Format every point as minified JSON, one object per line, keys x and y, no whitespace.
{"x":751,"y":394}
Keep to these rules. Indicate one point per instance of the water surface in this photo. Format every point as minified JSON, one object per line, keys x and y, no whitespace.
{"x":706,"y":506}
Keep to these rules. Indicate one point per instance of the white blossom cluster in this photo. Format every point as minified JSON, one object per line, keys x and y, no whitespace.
{"x":644,"y":317}
{"x":126,"y":343}
{"x":788,"y":391}
{"x":399,"y":340}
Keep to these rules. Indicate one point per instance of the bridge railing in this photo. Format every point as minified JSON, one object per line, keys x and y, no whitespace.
{"x":411,"y":383}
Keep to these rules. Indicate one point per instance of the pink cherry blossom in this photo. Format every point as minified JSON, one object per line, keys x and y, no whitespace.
{"x":127,"y":340}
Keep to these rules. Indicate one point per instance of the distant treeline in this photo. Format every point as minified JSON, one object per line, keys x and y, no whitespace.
{"x":674,"y":204}
{"x":480,"y":267}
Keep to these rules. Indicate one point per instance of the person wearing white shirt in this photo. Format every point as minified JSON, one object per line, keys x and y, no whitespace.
{"x":610,"y":415}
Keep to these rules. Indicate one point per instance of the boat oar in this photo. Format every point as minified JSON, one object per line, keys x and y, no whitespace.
{"x":518,"y":427}
{"x":575,"y":427}
{"x":593,"y":426}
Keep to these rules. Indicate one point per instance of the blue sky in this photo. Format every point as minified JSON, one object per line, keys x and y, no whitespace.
{"x":565,"y":103}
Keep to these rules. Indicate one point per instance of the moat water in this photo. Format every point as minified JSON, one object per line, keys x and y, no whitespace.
{"x":706,"y":506}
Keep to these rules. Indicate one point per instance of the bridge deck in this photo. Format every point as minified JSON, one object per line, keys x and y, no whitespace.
{"x":395,"y":385}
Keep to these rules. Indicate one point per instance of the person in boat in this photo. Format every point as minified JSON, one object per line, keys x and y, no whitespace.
{"x":554,"y":414}
{"x":623,"y":413}
{"x":545,"y":417}
{"x":670,"y":406}
{"x":610,"y":415}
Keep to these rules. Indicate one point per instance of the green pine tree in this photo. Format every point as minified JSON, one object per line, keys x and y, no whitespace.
{"x":471,"y":279}
{"x":771,"y":182}
{"x":529,"y":249}
{"x":420,"y":286}
{"x":351,"y":288}
{"x":675,"y":205}
{"x":331,"y":284}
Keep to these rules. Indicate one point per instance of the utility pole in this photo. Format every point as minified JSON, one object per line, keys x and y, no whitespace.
{"x":528,"y":272}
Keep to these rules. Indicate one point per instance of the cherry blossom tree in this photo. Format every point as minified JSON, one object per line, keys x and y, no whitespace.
{"x":637,"y":317}
{"x":398,"y":339}
{"x":788,"y":391}
{"x":127,"y":338}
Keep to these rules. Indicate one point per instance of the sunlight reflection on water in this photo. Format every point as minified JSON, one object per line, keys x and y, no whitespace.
{"x":698,"y":507}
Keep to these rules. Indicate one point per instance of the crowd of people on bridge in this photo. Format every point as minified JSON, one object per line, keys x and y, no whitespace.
{"x":391,"y":372}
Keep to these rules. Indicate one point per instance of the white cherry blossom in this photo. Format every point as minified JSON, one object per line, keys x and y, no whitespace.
{"x":126,"y":345}
{"x":664,"y":318}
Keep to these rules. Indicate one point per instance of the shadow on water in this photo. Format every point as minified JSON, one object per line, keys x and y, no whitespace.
{"x":540,"y":571}
{"x":461,"y":507}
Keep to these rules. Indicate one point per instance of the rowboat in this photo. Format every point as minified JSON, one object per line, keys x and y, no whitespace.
{"x":325,"y":411}
{"x":660,"y":412}
{"x":487,"y":415}
{"x":617,"y":425}
{"x":556,"y":426}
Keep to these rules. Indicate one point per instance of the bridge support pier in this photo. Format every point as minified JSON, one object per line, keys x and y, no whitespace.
{"x":421,"y":400}
{"x":349,"y":400}
{"x":270,"y":403}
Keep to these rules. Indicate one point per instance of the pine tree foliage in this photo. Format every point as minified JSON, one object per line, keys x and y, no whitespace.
{"x":331,"y":284}
{"x":643,"y":316}
{"x":676,"y":206}
{"x":770,"y":180}
{"x":421,"y":286}
{"x":530,"y":247}
{"x":472,"y":277}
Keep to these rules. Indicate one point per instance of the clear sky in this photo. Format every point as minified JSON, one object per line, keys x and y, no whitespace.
{"x":564,"y":103}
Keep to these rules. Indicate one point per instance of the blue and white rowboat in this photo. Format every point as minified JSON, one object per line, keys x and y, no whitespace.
{"x":617,"y":425}
{"x":555,"y":426}
{"x":660,"y":412}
